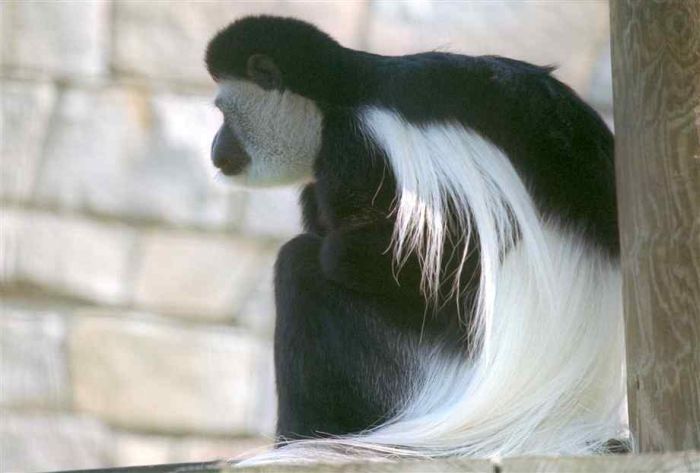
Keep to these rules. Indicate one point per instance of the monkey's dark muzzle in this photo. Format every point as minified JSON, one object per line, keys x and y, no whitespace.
{"x":227,"y":153}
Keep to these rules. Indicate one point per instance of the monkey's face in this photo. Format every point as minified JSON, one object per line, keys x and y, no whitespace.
{"x":269,"y":136}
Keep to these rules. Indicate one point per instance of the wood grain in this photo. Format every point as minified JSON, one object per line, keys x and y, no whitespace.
{"x":433,"y":466}
{"x":656,"y":78}
{"x":680,"y":462}
{"x":653,"y":463}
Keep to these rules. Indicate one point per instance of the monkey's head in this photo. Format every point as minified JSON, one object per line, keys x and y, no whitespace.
{"x":273,"y":74}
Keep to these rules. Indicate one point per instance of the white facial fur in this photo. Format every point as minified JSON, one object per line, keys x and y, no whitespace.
{"x":280,"y":131}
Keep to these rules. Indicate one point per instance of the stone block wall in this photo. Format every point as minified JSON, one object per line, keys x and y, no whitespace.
{"x":136,"y":315}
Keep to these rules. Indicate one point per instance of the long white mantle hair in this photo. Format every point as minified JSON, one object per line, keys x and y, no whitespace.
{"x":546,"y":375}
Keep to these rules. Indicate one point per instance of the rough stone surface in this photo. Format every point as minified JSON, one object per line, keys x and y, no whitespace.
{"x":117,"y":152}
{"x":63,"y":38}
{"x":33,"y":364}
{"x":566,"y":34}
{"x":600,"y":91}
{"x":9,"y":245}
{"x":167,"y":41}
{"x":44,"y":441}
{"x":273,"y":213}
{"x":200,"y":276}
{"x":25,"y":111}
{"x":71,"y":255}
{"x":136,"y":449}
{"x":97,"y":138}
{"x":176,"y":180}
{"x":160,"y":376}
{"x":257,"y":313}
{"x":196,"y":448}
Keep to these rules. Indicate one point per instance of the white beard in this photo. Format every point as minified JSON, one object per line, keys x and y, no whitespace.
{"x":280,"y":131}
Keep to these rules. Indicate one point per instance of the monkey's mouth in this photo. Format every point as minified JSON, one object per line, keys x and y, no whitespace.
{"x":232,"y":169}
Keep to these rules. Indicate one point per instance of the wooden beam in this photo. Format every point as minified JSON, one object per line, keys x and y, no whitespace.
{"x":680,"y":462}
{"x":656,"y":78}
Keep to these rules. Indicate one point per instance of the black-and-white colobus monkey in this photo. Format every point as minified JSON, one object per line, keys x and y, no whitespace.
{"x":456,"y":290}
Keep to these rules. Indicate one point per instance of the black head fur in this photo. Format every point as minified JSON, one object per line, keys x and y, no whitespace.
{"x":311,"y":63}
{"x":346,"y":332}
{"x":558,"y":144}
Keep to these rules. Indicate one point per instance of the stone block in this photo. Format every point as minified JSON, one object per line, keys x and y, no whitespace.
{"x":97,"y":138}
{"x":154,"y":375}
{"x":257,"y":313}
{"x":600,"y":93}
{"x":167,"y":41}
{"x":70,"y":255}
{"x":33,"y":363}
{"x":117,"y":151}
{"x":177,"y":182}
{"x":132,"y":449}
{"x":25,"y":111}
{"x":273,"y":213}
{"x":58,"y":38}
{"x":193,"y":449}
{"x":202,"y":276}
{"x":10,"y":227}
{"x":565,"y":34}
{"x":51,"y":442}
{"x":139,"y":449}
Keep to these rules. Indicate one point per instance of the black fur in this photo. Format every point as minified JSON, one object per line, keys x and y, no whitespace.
{"x":346,"y":328}
{"x":338,"y":364}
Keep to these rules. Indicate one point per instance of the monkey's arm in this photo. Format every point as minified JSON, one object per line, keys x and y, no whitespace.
{"x":310,"y":213}
{"x":361,"y":259}
{"x":356,"y":193}
{"x":336,"y":350}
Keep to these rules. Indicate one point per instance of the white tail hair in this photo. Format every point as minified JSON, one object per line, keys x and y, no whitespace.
{"x":547,"y":373}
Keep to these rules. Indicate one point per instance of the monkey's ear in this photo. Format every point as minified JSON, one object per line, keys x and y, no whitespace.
{"x":263,"y":71}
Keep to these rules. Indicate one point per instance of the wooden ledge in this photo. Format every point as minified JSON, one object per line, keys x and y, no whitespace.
{"x":675,"y":462}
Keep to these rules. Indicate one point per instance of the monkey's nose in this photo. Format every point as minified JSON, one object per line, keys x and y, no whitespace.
{"x":227,"y":154}
{"x":217,"y":151}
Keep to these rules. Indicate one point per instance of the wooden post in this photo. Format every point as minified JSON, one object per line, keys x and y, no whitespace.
{"x":656,"y":78}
